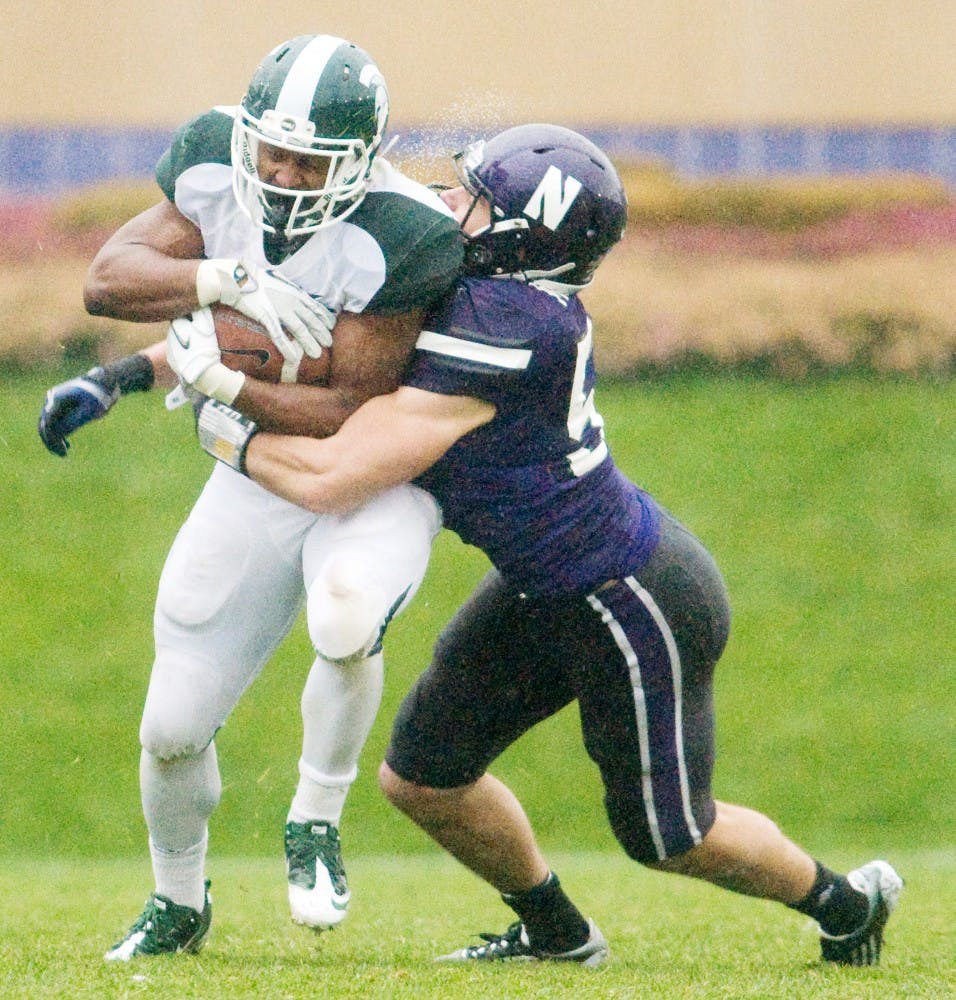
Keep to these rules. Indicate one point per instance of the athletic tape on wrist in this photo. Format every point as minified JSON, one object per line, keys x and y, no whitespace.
{"x":220,"y":382}
{"x":209,"y":280}
{"x":225,"y":433}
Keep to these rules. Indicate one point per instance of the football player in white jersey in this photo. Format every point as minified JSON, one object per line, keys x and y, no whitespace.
{"x":285,"y":209}
{"x":597,"y":596}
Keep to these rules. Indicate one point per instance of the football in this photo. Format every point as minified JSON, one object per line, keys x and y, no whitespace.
{"x":247,"y":347}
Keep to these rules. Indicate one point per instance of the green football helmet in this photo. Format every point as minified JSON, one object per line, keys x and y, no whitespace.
{"x":314,"y":96}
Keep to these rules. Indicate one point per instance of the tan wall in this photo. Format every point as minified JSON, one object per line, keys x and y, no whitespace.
{"x":576,"y":61}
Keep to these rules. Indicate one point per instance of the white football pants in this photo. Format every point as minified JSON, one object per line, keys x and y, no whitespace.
{"x":232,"y":587}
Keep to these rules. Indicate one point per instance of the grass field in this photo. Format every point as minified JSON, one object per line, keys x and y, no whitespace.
{"x":830,"y":508}
{"x":669,"y":938}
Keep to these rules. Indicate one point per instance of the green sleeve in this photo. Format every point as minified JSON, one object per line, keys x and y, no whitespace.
{"x":423,"y":251}
{"x":204,"y":139}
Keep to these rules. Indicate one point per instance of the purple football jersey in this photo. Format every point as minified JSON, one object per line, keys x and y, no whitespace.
{"x":535,"y":488}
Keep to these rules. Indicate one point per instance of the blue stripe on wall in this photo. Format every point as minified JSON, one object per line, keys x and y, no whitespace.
{"x":43,"y":162}
{"x":49,"y":161}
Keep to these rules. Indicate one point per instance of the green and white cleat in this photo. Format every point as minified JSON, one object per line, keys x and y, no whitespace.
{"x":318,"y":889}
{"x":882,"y":886}
{"x":164,"y":928}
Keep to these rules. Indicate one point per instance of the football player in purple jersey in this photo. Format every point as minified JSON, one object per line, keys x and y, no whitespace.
{"x":596,"y":595}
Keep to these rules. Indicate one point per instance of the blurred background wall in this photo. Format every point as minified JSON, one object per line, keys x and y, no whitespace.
{"x":712,"y":86}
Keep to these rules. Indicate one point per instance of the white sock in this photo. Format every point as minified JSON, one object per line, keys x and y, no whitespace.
{"x":319,"y":796}
{"x":339,"y":704}
{"x":178,"y":797}
{"x":180,"y":874}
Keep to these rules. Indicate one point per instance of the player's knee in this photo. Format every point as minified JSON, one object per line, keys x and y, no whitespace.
{"x":669,"y":844}
{"x":638,"y":847}
{"x":178,"y":718}
{"x":390,"y":783}
{"x":167,"y":737}
{"x":347,"y":607}
{"x":404,"y":795}
{"x":633,"y":831}
{"x":433,"y":809}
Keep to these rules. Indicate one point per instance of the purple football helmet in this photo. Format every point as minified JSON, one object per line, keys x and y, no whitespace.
{"x":557,"y":204}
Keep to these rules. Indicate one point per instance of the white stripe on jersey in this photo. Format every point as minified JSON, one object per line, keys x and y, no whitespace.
{"x":640,"y":711}
{"x":297,"y":92}
{"x":677,"y":682}
{"x":583,"y":460}
{"x":640,"y":708}
{"x":453,"y":347}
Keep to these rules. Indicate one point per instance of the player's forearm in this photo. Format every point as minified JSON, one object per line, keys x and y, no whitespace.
{"x":140,"y":284}
{"x":389,"y":440}
{"x":305,"y":473}
{"x":289,"y":408}
{"x":378,"y":448}
{"x":163,"y":375}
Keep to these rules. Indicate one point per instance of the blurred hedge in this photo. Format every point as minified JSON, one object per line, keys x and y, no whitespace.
{"x":103,"y":206}
{"x":657,"y":196}
{"x":724,"y":274}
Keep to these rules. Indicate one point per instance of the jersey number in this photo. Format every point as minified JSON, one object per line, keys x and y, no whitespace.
{"x":582,"y":415}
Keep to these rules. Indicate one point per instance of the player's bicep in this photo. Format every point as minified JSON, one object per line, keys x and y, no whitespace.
{"x":413,"y":428}
{"x":142,"y":269}
{"x":161,"y":227}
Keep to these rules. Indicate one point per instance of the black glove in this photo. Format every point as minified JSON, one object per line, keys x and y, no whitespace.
{"x":71,"y":405}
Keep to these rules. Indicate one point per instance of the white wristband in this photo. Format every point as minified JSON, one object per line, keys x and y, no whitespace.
{"x":220,"y":382}
{"x":225,"y":434}
{"x":209,"y":280}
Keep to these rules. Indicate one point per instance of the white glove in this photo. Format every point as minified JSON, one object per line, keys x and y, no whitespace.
{"x":292,"y":316}
{"x":193,"y":354}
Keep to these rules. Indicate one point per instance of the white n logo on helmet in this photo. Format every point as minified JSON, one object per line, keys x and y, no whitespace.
{"x":552,"y":198}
